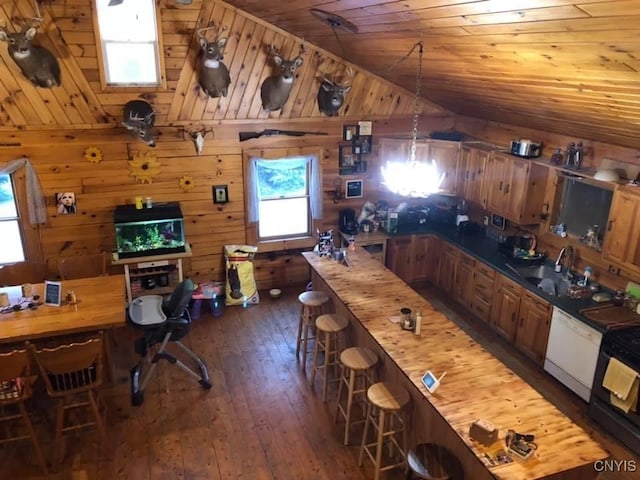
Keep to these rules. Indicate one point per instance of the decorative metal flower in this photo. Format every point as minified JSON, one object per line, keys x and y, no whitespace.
{"x":93,"y":155}
{"x":144,"y":167}
{"x":187,"y":183}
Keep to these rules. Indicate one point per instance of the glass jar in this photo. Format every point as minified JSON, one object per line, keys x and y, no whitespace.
{"x":618,"y":299}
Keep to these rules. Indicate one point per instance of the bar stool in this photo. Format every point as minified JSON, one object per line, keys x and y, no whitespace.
{"x":356,"y":375}
{"x":386,"y":415}
{"x":328,"y":326}
{"x":428,"y":461}
{"x":313,"y":304}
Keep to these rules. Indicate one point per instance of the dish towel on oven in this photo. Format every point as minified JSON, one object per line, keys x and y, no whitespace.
{"x":622,"y":382}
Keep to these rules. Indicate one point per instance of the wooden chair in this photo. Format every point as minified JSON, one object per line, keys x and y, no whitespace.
{"x":23,"y":272}
{"x":70,"y":371}
{"x":15,"y":388}
{"x":83,"y":266}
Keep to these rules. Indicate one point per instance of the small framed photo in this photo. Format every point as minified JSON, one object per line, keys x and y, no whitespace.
{"x":347,"y":157}
{"x":354,"y":189}
{"x":52,"y":293}
{"x":220,"y":194}
{"x":350,"y":133}
{"x":365,"y":142}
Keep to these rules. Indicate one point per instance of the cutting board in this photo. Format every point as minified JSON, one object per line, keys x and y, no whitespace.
{"x":611,"y":316}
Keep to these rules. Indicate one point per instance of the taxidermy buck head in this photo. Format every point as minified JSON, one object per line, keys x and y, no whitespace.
{"x":38,"y":64}
{"x":213,"y":75}
{"x":138,"y":119}
{"x":198,"y":137}
{"x":331,"y":93}
{"x":276,"y":88}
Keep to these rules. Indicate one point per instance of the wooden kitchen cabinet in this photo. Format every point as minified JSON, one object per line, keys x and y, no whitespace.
{"x":414,"y":258}
{"x":482,"y":291}
{"x":448,"y":266}
{"x":472,"y":167}
{"x":506,"y":307}
{"x":463,"y":279}
{"x":515,"y":188}
{"x":622,"y":239}
{"x":534,"y":321}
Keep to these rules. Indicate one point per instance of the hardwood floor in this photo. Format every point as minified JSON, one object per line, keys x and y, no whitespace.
{"x":261,"y":419}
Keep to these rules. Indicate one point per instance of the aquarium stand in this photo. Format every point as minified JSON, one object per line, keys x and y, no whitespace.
{"x":153,"y":275}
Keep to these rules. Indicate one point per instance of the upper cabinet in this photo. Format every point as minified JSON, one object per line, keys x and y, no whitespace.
{"x":514,"y":188}
{"x":471,"y":169}
{"x":622,"y":241}
{"x":443,"y":153}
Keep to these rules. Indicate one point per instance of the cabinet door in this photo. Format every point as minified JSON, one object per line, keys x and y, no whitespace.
{"x":463,"y":181}
{"x":463,"y":280}
{"x":516,"y":188}
{"x":399,"y":257}
{"x":426,"y":253}
{"x":474,"y":191}
{"x":533,"y":327}
{"x":504,"y":316}
{"x":483,"y":291}
{"x":448,"y":267}
{"x":622,"y":239}
{"x":497,"y":172}
{"x":445,"y":154}
{"x":393,"y":149}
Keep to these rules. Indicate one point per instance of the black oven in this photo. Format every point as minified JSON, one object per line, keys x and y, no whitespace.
{"x":624,"y":345}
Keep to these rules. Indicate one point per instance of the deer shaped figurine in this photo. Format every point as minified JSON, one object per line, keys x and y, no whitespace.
{"x":275,"y":89}
{"x":331,"y":93}
{"x":37,"y":63}
{"x":213,"y":75}
{"x":138,"y":119}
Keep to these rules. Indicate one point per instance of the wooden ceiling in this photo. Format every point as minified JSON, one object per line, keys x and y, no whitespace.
{"x":556,"y":65}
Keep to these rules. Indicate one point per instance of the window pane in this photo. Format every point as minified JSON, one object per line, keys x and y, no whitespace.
{"x":7,"y":200}
{"x":584,"y":205}
{"x":283,"y":217}
{"x":131,"y":63}
{"x":131,"y":21}
{"x":277,"y":179}
{"x":11,"y":250}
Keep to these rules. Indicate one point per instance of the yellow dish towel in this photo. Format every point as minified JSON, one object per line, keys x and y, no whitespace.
{"x":622,"y":382}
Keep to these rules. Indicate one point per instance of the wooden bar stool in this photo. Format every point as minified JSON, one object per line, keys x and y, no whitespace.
{"x":428,"y":461}
{"x":313,"y":303}
{"x":357,"y":374}
{"x":386,"y":415}
{"x":328,"y":326}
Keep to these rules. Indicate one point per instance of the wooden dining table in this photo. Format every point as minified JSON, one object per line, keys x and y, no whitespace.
{"x":100,"y":306}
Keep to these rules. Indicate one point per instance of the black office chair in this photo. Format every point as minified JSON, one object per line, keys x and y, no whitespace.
{"x":163,"y":321}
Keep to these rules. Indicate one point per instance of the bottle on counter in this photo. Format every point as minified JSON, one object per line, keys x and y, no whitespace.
{"x":418,"y":327}
{"x":556,"y":158}
{"x":571,"y":155}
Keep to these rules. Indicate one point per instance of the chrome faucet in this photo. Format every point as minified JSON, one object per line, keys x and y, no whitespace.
{"x":565,"y":251}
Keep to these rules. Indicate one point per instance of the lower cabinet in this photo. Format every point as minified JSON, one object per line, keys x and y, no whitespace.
{"x":463,"y":279}
{"x":504,"y":316}
{"x":482,"y":295}
{"x":447,"y":269}
{"x":534,"y":321}
{"x":414,"y":257}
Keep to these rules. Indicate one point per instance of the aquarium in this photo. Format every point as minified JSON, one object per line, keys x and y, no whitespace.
{"x":149,"y":231}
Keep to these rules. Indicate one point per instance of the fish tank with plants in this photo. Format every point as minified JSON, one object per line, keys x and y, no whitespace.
{"x":158,"y":230}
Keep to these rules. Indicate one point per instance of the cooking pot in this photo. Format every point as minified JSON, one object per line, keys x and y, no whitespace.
{"x":526,"y":148}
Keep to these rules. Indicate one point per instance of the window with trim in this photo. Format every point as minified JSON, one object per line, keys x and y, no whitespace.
{"x":12,"y":250}
{"x":284,"y":196}
{"x":128,"y":37}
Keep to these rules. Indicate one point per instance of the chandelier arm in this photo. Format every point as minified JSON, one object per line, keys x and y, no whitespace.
{"x":416,"y":107}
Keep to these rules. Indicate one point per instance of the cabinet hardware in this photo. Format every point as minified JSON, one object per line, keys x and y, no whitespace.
{"x":609,"y":225}
{"x":500,"y":186}
{"x":506,"y":188}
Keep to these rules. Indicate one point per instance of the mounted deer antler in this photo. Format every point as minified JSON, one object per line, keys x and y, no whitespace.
{"x":331,"y":93}
{"x":139,"y":118}
{"x":37,"y":63}
{"x":214,"y":78}
{"x":198,"y":137}
{"x":275,"y":89}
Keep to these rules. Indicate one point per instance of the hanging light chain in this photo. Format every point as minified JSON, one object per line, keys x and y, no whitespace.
{"x":416,"y":107}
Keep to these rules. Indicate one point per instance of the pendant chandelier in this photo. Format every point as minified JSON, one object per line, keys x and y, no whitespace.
{"x":410,"y":177}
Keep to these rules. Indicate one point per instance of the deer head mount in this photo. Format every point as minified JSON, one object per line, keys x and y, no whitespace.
{"x":138,"y":119}
{"x":198,"y":137}
{"x":275,"y":89}
{"x":213,"y":75}
{"x":331,"y":93}
{"x":37,"y":63}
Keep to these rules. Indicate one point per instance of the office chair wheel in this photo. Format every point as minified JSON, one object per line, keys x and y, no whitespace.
{"x":137,"y":395}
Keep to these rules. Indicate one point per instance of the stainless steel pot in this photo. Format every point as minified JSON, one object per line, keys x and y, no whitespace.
{"x":528,"y":148}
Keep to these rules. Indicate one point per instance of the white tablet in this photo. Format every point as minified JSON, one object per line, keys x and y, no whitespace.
{"x":52,"y":293}
{"x":430,"y":381}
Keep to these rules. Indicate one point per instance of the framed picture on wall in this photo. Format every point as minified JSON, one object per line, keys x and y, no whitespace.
{"x":350,"y":133}
{"x":348,"y":160}
{"x":354,"y":189}
{"x":220,"y":194}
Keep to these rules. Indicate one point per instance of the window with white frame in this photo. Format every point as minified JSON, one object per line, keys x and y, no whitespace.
{"x":12,"y":250}
{"x":284,"y":196}
{"x":129,"y":41}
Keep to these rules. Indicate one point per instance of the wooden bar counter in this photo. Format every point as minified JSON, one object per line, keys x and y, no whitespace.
{"x":477,"y":385}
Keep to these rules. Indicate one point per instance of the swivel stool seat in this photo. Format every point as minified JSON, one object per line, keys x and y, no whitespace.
{"x":313,"y":303}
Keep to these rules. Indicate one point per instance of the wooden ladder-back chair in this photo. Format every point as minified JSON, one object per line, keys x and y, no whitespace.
{"x":15,"y":388}
{"x":83,"y":266}
{"x":23,"y":272}
{"x":69,"y":371}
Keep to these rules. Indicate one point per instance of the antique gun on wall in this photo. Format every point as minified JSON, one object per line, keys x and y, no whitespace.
{"x":270,"y":132}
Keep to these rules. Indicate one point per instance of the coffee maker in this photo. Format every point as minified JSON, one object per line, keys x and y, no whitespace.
{"x":348,"y":222}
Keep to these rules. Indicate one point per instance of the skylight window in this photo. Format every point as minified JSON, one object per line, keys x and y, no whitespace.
{"x":129,"y":40}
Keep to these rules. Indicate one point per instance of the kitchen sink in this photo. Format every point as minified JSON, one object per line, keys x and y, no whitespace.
{"x":545,"y":278}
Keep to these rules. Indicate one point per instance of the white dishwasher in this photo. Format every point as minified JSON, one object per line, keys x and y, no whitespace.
{"x":572,"y":352}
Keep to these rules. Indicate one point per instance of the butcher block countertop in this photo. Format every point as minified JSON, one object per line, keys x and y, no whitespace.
{"x":476,"y":386}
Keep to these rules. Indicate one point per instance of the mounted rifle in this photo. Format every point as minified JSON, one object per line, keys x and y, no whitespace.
{"x":270,"y":132}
